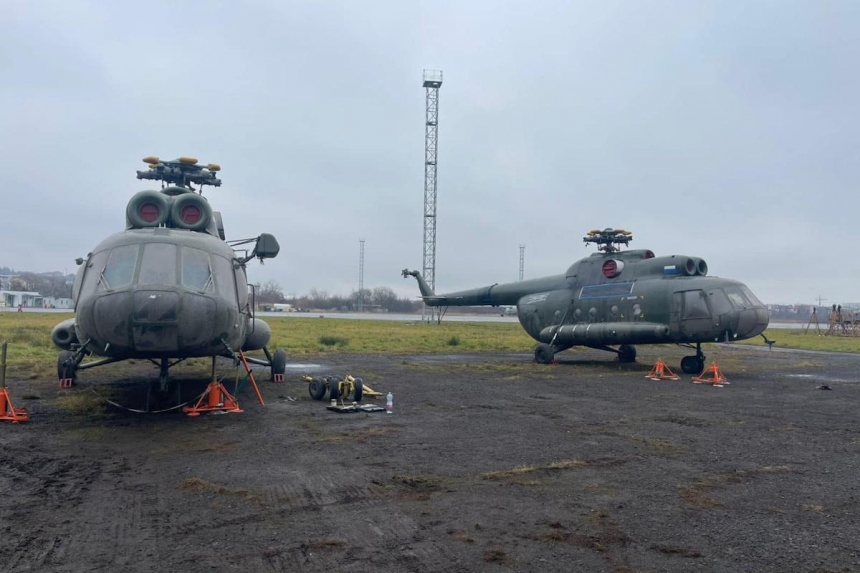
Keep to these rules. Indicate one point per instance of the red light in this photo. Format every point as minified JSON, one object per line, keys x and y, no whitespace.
{"x":149,"y":212}
{"x":190,"y":214}
{"x":610,"y":269}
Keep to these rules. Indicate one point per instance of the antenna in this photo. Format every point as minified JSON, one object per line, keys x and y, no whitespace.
{"x":522,"y":260}
{"x":361,"y":275}
{"x":432,"y":83}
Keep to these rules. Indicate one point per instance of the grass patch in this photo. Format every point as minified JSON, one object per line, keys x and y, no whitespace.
{"x":675,"y":550}
{"x":696,"y":493}
{"x":81,"y":403}
{"x":495,"y":555}
{"x":328,"y":340}
{"x":795,"y":338}
{"x":656,"y":445}
{"x":196,"y":484}
{"x":454,"y":341}
{"x":86,"y":434}
{"x":523,"y":470}
{"x":461,"y":536}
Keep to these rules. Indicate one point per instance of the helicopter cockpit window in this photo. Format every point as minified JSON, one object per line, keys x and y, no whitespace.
{"x":196,"y":272}
{"x":739,"y":300}
{"x":224,"y":278}
{"x":750,"y":296}
{"x":119,"y":270}
{"x":695,"y":305}
{"x":719,"y":301}
{"x":158,"y":264}
{"x":93,"y":275}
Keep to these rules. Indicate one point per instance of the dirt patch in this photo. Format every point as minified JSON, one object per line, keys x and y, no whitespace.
{"x":490,"y":462}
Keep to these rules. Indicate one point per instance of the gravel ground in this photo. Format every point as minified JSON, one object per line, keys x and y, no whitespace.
{"x":489,"y":463}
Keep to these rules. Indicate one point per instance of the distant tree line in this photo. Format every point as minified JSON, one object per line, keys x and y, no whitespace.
{"x":379,"y":299}
{"x":46,"y":284}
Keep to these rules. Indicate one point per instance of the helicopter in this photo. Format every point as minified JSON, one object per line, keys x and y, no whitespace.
{"x":613,"y":300}
{"x":169,"y":286}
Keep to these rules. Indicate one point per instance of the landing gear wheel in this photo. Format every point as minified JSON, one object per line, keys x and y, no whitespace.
{"x":66,"y":365}
{"x":333,"y":390}
{"x":279,"y":362}
{"x":544,"y":354}
{"x":316,"y":388}
{"x":359,"y":389}
{"x":626,"y":353}
{"x":692,"y":365}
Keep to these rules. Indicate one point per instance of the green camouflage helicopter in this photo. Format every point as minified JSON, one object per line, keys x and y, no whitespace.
{"x":168,"y":287}
{"x":614,"y":300}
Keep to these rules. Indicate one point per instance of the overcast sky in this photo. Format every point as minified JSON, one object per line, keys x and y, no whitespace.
{"x":725,"y":130}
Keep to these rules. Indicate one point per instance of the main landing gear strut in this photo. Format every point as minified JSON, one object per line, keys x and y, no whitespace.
{"x":694,"y":364}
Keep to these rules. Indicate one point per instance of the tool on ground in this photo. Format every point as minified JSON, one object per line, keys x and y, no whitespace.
{"x":7,"y":410}
{"x":662,"y":372}
{"x":716,"y":376}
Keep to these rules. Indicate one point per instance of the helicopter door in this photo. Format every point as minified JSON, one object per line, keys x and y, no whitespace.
{"x":695,"y":314}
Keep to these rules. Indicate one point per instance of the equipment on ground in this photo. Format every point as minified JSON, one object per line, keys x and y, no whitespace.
{"x":613,"y":300}
{"x":711,"y":375}
{"x":343,"y":388}
{"x":662,"y":372}
{"x":167,"y":288}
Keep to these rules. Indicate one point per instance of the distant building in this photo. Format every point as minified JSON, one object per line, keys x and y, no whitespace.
{"x":54,"y":302}
{"x":5,"y":282}
{"x":13,"y":298}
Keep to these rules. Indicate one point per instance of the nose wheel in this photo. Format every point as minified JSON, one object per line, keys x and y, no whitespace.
{"x":694,"y":364}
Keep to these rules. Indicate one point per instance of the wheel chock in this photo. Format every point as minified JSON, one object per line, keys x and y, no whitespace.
{"x":8,"y":412}
{"x":662,"y":372}
{"x":66,"y":382}
{"x":214,"y":399}
{"x":716,"y":376}
{"x":278,"y":378}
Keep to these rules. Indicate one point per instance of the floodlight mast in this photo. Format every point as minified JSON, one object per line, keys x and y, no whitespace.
{"x":432,"y":83}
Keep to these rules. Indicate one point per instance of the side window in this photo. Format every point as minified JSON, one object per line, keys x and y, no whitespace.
{"x":719,"y":302}
{"x":158,"y":265}
{"x":120,"y":267}
{"x":695,"y":305}
{"x":224,"y":278}
{"x":93,"y":273}
{"x":196,"y":272}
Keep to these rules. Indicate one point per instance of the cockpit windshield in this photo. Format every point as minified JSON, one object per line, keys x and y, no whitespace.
{"x":750,"y":296}
{"x":196,"y":270}
{"x":158,"y":265}
{"x":738,"y":298}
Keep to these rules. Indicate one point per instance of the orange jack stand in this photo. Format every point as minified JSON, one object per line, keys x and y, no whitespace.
{"x":214,"y":399}
{"x":717,"y":378}
{"x":251,"y":377}
{"x":9,"y":412}
{"x":662,"y":372}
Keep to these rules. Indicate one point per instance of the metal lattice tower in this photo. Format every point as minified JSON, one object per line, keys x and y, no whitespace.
{"x":361,"y":275}
{"x":432,"y":83}
{"x":522,"y":260}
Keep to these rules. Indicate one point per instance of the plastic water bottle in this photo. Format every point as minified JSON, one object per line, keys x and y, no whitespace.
{"x":389,"y":403}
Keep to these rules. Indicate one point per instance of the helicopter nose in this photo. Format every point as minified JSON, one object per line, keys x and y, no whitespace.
{"x":752,"y":322}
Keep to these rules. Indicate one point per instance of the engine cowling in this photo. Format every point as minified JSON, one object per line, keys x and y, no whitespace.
{"x":147,"y":209}
{"x":190,"y":211}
